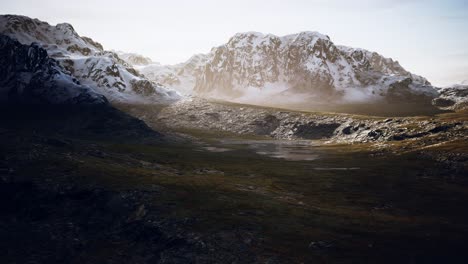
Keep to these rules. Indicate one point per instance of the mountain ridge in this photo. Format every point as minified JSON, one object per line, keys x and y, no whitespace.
{"x":252,"y":67}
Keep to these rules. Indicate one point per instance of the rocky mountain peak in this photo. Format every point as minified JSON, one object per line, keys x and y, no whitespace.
{"x":67,"y":28}
{"x":257,"y":40}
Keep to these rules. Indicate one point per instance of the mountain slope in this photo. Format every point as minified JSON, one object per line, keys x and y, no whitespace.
{"x":28,"y":75}
{"x":36,"y":94}
{"x":86,"y":60}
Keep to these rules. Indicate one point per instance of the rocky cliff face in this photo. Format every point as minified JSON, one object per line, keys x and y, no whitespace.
{"x":28,"y":75}
{"x":85,"y":59}
{"x":301,"y":67}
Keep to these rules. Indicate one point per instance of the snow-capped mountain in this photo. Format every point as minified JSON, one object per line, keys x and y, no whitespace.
{"x":306,"y":66}
{"x":28,"y":75}
{"x":86,"y":60}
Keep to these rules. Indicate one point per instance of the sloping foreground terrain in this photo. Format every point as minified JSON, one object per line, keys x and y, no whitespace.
{"x":84,"y":185}
{"x":137,"y":198}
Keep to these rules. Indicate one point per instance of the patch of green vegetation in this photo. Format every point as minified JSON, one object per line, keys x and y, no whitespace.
{"x":357,"y":110}
{"x":461,"y":115}
{"x":329,"y":111}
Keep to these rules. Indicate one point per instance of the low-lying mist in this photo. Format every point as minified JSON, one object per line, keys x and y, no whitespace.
{"x":350,"y":101}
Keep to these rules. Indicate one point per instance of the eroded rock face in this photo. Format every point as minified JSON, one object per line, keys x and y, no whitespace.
{"x":28,"y":75}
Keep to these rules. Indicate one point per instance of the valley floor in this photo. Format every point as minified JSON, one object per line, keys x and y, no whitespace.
{"x":205,"y":196}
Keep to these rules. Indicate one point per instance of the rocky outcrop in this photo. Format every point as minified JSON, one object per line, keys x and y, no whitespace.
{"x":406,"y":91}
{"x":452,"y":98}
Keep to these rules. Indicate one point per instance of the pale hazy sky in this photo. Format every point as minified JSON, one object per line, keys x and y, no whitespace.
{"x":427,"y":37}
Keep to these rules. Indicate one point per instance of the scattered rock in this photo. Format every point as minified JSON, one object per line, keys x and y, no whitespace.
{"x":56,"y":142}
{"x":138,"y":215}
{"x":348,"y":130}
{"x":266,"y":125}
{"x":314,"y":130}
{"x":320,"y":244}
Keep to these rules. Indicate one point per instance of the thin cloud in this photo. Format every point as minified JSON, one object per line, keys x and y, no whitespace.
{"x":376,"y":4}
{"x":455,"y":17}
